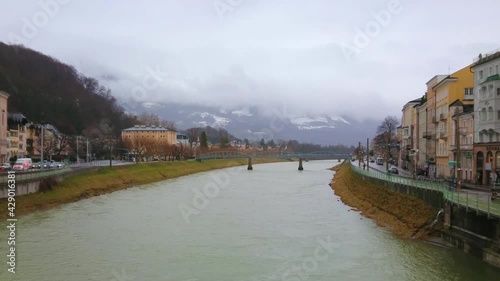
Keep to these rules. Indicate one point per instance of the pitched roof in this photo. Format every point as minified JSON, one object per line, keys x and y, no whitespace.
{"x":139,"y":128}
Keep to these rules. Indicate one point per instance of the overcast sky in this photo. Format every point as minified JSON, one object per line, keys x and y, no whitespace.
{"x":362,"y":58}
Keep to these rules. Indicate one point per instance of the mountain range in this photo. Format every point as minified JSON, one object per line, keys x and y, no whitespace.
{"x":252,"y":124}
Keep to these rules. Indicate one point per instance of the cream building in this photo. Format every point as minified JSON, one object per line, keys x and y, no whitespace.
{"x":407,"y":132}
{"x":487,"y":117}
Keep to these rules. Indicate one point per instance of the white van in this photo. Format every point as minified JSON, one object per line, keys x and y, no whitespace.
{"x":22,"y":164}
{"x":380,"y":161}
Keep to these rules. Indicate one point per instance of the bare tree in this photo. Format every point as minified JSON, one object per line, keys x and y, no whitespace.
{"x":153,"y":119}
{"x":135,"y":147}
{"x":388,"y":129}
{"x":63,"y":143}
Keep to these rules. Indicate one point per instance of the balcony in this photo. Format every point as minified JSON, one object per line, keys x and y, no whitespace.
{"x":434,"y":119}
{"x":443,"y":116}
{"x":443,"y":135}
{"x":469,"y":97}
{"x":426,"y":135}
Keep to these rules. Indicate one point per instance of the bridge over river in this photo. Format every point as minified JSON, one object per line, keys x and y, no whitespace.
{"x":317,"y":155}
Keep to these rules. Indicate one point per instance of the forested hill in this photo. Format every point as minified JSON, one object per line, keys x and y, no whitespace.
{"x":46,"y":90}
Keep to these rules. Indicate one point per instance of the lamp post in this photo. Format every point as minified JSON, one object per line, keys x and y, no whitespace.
{"x":41,"y":145}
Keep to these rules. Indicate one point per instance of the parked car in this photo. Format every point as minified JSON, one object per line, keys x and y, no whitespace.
{"x":393,"y":170}
{"x":5,"y":167}
{"x":39,"y":165}
{"x":22,"y":164}
{"x":57,"y":165}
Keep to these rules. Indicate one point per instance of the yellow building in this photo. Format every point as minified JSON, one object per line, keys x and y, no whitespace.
{"x":17,"y":135}
{"x":456,"y":86}
{"x":140,"y":137}
{"x":3,"y":127}
{"x":429,"y":131}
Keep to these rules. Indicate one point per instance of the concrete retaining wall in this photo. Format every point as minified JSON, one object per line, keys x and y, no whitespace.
{"x":432,"y":197}
{"x":32,"y":186}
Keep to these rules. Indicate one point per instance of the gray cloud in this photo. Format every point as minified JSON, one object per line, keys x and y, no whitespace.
{"x":266,"y":54}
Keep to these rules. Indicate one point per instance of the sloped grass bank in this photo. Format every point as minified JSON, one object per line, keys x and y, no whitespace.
{"x":405,"y":215}
{"x":107,"y":180}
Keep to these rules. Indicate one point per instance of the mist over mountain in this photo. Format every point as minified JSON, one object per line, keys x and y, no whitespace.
{"x":46,"y":90}
{"x":254,"y":125}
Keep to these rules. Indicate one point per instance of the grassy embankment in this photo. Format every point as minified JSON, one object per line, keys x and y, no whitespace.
{"x":107,"y":180}
{"x":405,"y":215}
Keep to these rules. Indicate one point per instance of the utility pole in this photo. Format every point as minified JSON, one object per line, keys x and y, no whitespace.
{"x":457,"y":142}
{"x":359,"y":154}
{"x":110,"y":152}
{"x":41,"y":151}
{"x":87,"y":150}
{"x":77,"y":157}
{"x":367,"y":154}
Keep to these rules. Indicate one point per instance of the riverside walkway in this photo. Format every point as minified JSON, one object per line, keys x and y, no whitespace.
{"x":474,"y":200}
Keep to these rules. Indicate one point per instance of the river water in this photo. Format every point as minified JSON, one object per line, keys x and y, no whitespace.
{"x":272,"y":223}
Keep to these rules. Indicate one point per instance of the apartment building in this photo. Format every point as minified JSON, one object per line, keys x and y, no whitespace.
{"x":406,"y":131}
{"x":431,"y":126}
{"x":17,"y":135}
{"x":3,"y":127}
{"x":487,"y":117}
{"x":456,"y":86}
{"x":461,"y":140}
{"x":421,"y":135}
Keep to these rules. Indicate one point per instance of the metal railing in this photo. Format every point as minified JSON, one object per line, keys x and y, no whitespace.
{"x":478,"y":201}
{"x":35,"y":174}
{"x":28,"y":176}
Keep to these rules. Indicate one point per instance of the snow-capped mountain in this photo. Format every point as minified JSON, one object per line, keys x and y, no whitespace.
{"x":251,"y":124}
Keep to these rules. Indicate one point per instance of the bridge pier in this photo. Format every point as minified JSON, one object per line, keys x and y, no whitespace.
{"x":250,"y":164}
{"x":300,"y":165}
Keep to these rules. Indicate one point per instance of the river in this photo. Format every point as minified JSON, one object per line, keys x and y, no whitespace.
{"x":272,"y":223}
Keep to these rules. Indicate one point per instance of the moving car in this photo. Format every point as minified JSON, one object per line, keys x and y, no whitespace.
{"x":380,"y":161}
{"x":393,"y":170}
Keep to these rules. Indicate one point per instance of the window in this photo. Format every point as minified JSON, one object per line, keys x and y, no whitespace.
{"x":498,"y":114}
{"x":490,"y":113}
{"x":498,"y":91}
{"x":483,"y":92}
{"x":496,"y":69}
{"x":491,"y":70}
{"x":469,"y":93}
{"x":483,"y":114}
{"x":480,"y":74}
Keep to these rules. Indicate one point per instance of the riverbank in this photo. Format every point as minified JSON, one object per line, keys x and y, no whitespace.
{"x":107,"y":180}
{"x":405,"y":215}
